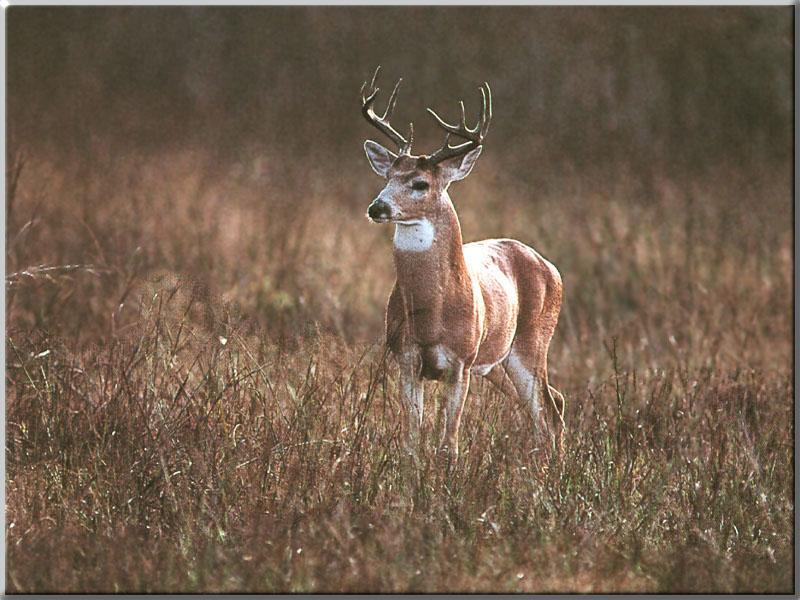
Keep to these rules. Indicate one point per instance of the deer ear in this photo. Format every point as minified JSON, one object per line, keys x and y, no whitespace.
{"x":380,"y":159}
{"x":458,"y":167}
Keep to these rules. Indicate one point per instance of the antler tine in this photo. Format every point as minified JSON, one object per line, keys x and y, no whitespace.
{"x":371,"y":91}
{"x":473,"y":135}
{"x":486,"y":115}
{"x":375,"y":77}
{"x":382,"y":123}
{"x":392,"y":101}
{"x":482,"y":120}
{"x":442,"y":123}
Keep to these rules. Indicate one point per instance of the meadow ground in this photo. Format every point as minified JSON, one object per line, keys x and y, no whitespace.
{"x":198,"y":397}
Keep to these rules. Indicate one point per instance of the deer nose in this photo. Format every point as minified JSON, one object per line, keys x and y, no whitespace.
{"x":379,"y":210}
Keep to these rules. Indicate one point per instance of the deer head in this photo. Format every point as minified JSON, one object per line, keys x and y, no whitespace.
{"x":415,"y":185}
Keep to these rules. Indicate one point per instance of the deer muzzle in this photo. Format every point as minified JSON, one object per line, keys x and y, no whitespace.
{"x":379,"y":211}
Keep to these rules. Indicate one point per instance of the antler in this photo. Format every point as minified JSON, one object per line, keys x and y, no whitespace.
{"x":382,"y":123}
{"x":474,"y":135}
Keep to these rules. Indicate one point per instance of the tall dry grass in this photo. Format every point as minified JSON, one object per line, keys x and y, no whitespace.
{"x":199,"y":400}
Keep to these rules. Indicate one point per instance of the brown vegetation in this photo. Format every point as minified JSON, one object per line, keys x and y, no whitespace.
{"x":198,"y":398}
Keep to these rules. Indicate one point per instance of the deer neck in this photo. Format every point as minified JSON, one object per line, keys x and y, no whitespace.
{"x":429,"y":259}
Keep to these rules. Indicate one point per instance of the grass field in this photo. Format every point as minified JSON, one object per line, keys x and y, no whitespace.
{"x":199,"y":400}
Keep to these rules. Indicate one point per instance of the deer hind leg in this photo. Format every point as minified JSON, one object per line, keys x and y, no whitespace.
{"x":499,"y":378}
{"x":528,"y":372}
{"x":557,"y":408}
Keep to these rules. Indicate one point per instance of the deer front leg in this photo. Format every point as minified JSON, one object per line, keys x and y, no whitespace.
{"x":412,"y":392}
{"x":456,"y":388}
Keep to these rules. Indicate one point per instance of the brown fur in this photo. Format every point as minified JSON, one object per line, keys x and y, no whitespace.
{"x":456,"y":307}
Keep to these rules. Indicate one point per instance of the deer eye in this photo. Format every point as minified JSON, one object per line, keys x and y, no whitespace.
{"x":420,"y":185}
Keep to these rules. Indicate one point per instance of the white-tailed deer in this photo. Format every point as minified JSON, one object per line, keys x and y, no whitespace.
{"x":487,"y":307}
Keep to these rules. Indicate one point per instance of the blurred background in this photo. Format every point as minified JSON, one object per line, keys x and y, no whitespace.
{"x":197,"y":389}
{"x":585,"y":88}
{"x":225,"y":145}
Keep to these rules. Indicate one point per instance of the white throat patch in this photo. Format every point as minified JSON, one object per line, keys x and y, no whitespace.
{"x":414,"y":236}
